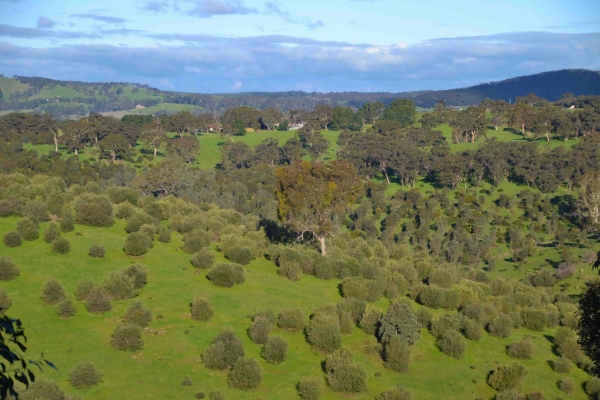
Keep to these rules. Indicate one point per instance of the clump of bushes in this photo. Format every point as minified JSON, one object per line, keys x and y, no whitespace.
{"x":452,"y":344}
{"x":53,"y":292}
{"x":291,"y":319}
{"x":84,"y":287}
{"x":567,"y":386}
{"x":51,"y":233}
{"x":5,"y":301}
{"x":400,"y":320}
{"x":240,"y":255}
{"x":275,"y":350}
{"x":563,"y":365}
{"x":97,"y":250}
{"x":8,"y":269}
{"x":323,"y":332}
{"x":201,"y":309}
{"x":396,"y":354}
{"x":501,"y":326}
{"x":28,"y":229}
{"x":508,"y":376}
{"x":127,"y":337}
{"x":137,"y":244}
{"x":343,"y":374}
{"x":522,"y":349}
{"x":226,"y":275}
{"x":94,"y":210}
{"x":592,"y":388}
{"x":195,"y":241}
{"x":369,"y":321}
{"x":61,"y":245}
{"x":204,"y":259}
{"x":12,"y":239}
{"x":246,"y":374}
{"x":42,"y":389}
{"x":66,"y":309}
{"x":84,"y":375}
{"x":119,"y":286}
{"x":397,"y":393}
{"x":163,"y":234}
{"x":260,"y":329}
{"x":67,"y":221}
{"x":310,"y":388}
{"x":138,"y":275}
{"x":97,"y":301}
{"x":533,"y":319}
{"x":137,"y":314}
{"x":223,"y":351}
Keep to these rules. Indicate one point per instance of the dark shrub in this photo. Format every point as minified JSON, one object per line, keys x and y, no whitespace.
{"x":472,"y":330}
{"x":291,"y":271}
{"x":535,"y":396}
{"x":275,"y":350}
{"x":97,"y":250}
{"x":204,"y":259}
{"x":8,"y":269}
{"x":137,"y":244}
{"x":346,"y":323}
{"x":447,"y":322}
{"x":12,"y":239}
{"x":291,"y":319}
{"x":522,"y":349}
{"x":441,"y":278}
{"x":424,"y":317}
{"x":396,"y":354}
{"x":53,"y":292}
{"x":186,"y":382}
{"x":61,"y":246}
{"x":240,"y":255}
{"x":94,"y":210}
{"x":592,"y":388}
{"x":6,"y":208}
{"x":163,"y":234}
{"x":66,"y":309}
{"x":119,"y":286}
{"x":216,"y":395}
{"x":343,"y":374}
{"x":535,"y":320}
{"x":84,"y":375}
{"x":354,"y":307}
{"x":97,"y":301}
{"x":124,"y":211}
{"x":567,"y":386}
{"x":260,"y":329}
{"x":36,"y":210}
{"x":268,"y":314}
{"x":138,"y":275}
{"x":137,"y":314}
{"x":510,"y":394}
{"x":51,"y":233}
{"x":501,"y":326}
{"x":148,"y":230}
{"x":452,"y":344}
{"x":507,"y":376}
{"x":5,"y":301}
{"x":310,"y":388}
{"x":369,"y":322}
{"x":246,"y":374}
{"x":201,"y":309}
{"x":28,"y":229}
{"x":400,"y":320}
{"x":41,"y":389}
{"x":199,"y":395}
{"x":323,"y":332}
{"x":67,"y":220}
{"x":127,"y":338}
{"x":563,"y":365}
{"x":398,"y":393}
{"x":195,"y":241}
{"x":223,"y":351}
{"x":432,"y":297}
{"x":544,"y":278}
{"x":120,"y":195}
{"x":226,"y":274}
{"x":84,"y":288}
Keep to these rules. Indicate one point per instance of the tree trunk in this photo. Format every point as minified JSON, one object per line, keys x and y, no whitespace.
{"x":56,"y":145}
{"x":323,"y":248}
{"x":155,"y":149}
{"x":76,"y":153}
{"x":385,"y":172}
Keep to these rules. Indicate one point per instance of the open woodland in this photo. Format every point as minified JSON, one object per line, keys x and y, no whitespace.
{"x":365,"y":253}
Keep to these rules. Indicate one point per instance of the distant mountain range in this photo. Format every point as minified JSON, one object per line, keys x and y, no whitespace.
{"x":64,"y":98}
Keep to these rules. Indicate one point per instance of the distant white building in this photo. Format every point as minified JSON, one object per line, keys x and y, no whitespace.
{"x":294,"y":127}
{"x":140,"y":106}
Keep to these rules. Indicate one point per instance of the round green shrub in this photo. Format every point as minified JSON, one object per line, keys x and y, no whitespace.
{"x":223,"y":351}
{"x":67,"y":220}
{"x":563,"y":365}
{"x":6,"y":208}
{"x":567,"y":386}
{"x":42,"y":389}
{"x":240,"y":255}
{"x":204,"y":259}
{"x":84,"y":375}
{"x":137,"y":244}
{"x":8,"y":269}
{"x":400,"y":320}
{"x":501,"y":326}
{"x":36,"y":210}
{"x":310,"y":388}
{"x":323,"y":332}
{"x":51,"y":233}
{"x":246,"y":374}
{"x":119,"y":286}
{"x":137,"y":314}
{"x":472,"y":330}
{"x":507,"y":376}
{"x":522,"y":349}
{"x":94,"y":210}
{"x":201,"y":309}
{"x":260,"y":329}
{"x":291,"y":271}
{"x":275,"y":350}
{"x":343,"y":374}
{"x":122,"y":195}
{"x":369,"y":321}
{"x":66,"y":309}
{"x":216,"y":395}
{"x":148,"y":230}
{"x":124,"y":210}
{"x":84,"y":288}
{"x":291,"y":319}
{"x":447,"y":322}
{"x":398,"y":393}
{"x":536,"y":320}
{"x":127,"y":337}
{"x":592,"y":388}
{"x":512,"y":394}
{"x":97,"y":250}
{"x":163,"y":234}
{"x":346,"y":323}
{"x":452,"y":344}
{"x":138,"y":275}
{"x":12,"y":239}
{"x":98,"y":301}
{"x":424,"y":317}
{"x":195,"y":241}
{"x":28,"y":229}
{"x":53,"y":292}
{"x":5,"y":301}
{"x":61,"y":246}
{"x":396,"y":354}
{"x":268,"y":314}
{"x":226,"y":275}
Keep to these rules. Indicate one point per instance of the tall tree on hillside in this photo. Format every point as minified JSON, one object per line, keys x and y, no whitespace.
{"x":323,"y":114}
{"x":271,"y":117}
{"x":589,"y":197}
{"x":185,"y":148}
{"x":76,"y":134}
{"x":182,"y":123}
{"x":236,"y":155}
{"x":520,"y":116}
{"x":115,"y":146}
{"x":313,"y":141}
{"x":153,"y":135}
{"x":403,"y":111}
{"x":314,"y":197}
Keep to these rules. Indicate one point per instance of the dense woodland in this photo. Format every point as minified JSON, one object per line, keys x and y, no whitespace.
{"x":430,"y":255}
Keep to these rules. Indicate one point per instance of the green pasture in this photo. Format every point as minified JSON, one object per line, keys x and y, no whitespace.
{"x":62,"y":91}
{"x":10,"y":86}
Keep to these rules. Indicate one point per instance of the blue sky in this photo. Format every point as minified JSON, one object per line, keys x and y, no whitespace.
{"x":324,"y":45}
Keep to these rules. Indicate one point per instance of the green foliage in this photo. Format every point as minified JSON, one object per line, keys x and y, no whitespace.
{"x":563,"y":365}
{"x":137,"y":220}
{"x":46,"y":390}
{"x":195,"y":241}
{"x":589,"y":324}
{"x":369,"y":321}
{"x":452,"y":344}
{"x":5,"y":301}
{"x":501,"y":326}
{"x":472,"y":330}
{"x":137,"y":314}
{"x":94,"y":210}
{"x":309,"y":388}
{"x":125,"y":211}
{"x":275,"y":350}
{"x":12,"y":239}
{"x":163,"y":234}
{"x":246,"y":374}
{"x":226,"y":275}
{"x":53,"y":292}
{"x":592,"y":388}
{"x":223,"y":351}
{"x":396,"y":354}
{"x":240,"y":255}
{"x":201,"y":309}
{"x":66,"y":309}
{"x":36,"y":210}
{"x":522,"y":349}
{"x":511,"y":394}
{"x":346,"y":323}
{"x":51,"y":233}
{"x":8,"y":269}
{"x":567,"y":385}
{"x":137,"y":244}
{"x":97,"y":301}
{"x":84,"y":375}
{"x":204,"y":259}
{"x":398,"y":393}
{"x":97,"y":250}
{"x":343,"y":374}
{"x":148,"y":230}
{"x":260,"y":329}
{"x":137,"y":274}
{"x":400,"y":320}
{"x":67,"y":220}
{"x":216,"y":395}
{"x":507,"y":376}
{"x":323,"y":332}
{"x":61,"y":246}
{"x":84,"y":288}
{"x":28,"y":229}
{"x":291,"y":319}
{"x":533,"y":319}
{"x":119,"y":286}
{"x":127,"y":337}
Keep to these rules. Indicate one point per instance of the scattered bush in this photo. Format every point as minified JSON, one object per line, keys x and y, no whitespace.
{"x":136,"y":220}
{"x":400,"y":320}
{"x":94,"y":210}
{"x":522,"y":349}
{"x":137,"y":244}
{"x":563,"y":365}
{"x":51,"y":233}
{"x":260,"y":329}
{"x":97,"y":250}
{"x":12,"y":239}
{"x":246,"y":374}
{"x":291,"y":271}
{"x":5,"y":301}
{"x":148,"y":230}
{"x":535,"y":320}
{"x":84,"y":375}
{"x":396,"y":354}
{"x":66,"y":309}
{"x":398,"y":393}
{"x":592,"y":388}
{"x":354,"y":307}
{"x":226,"y":275}
{"x":323,"y":332}
{"x":8,"y":269}
{"x":195,"y":241}
{"x":452,"y":344}
{"x":501,"y":326}
{"x":28,"y":229}
{"x":424,"y":317}
{"x":240,"y":255}
{"x":61,"y":246}
{"x":201,"y":309}
{"x":186,"y":382}
{"x":291,"y":319}
{"x":343,"y":374}
{"x":163,"y":234}
{"x":369,"y":321}
{"x":216,"y":395}
{"x":127,"y":337}
{"x":510,"y":394}
{"x":119,"y":286}
{"x":42,"y":389}
{"x":83,"y":289}
{"x":137,"y":314}
{"x":223,"y":351}
{"x":204,"y":259}
{"x":472,"y":330}
{"x":275,"y":350}
{"x":138,"y":275}
{"x":67,"y":221}
{"x":53,"y":292}
{"x":310,"y":388}
{"x":508,"y":376}
{"x":124,"y":211}
{"x":97,"y":301}
{"x":567,"y":386}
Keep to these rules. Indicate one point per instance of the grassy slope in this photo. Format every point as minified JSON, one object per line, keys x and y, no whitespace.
{"x":60,"y":91}
{"x":10,"y":86}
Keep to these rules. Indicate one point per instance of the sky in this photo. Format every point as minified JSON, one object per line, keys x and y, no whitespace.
{"x":225,"y":46}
